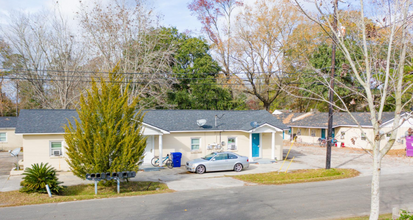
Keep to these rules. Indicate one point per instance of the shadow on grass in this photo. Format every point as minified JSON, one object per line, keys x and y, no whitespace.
{"x":125,"y":187}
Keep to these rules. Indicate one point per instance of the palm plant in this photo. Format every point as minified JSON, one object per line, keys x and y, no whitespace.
{"x":38,"y":176}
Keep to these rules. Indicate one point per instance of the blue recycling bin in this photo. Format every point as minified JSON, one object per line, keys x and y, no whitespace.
{"x":176,"y":158}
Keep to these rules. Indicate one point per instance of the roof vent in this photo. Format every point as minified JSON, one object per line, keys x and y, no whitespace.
{"x":200,"y":122}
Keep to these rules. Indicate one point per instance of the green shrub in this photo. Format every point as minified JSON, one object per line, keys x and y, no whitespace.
{"x":404,"y":215}
{"x":38,"y":176}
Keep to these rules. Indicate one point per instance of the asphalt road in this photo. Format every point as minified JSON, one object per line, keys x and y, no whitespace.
{"x":319,"y":200}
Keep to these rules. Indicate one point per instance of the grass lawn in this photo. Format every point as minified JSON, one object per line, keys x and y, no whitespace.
{"x":381,"y":217}
{"x":83,"y":192}
{"x":298,"y":176}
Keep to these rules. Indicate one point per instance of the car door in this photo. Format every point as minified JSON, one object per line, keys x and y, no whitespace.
{"x":232,"y":160}
{"x":220,"y":162}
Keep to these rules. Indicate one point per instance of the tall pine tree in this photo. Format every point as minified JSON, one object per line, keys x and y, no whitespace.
{"x":108,"y":136}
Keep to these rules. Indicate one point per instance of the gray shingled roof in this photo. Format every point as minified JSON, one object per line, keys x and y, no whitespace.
{"x":8,"y":122}
{"x":286,"y":116}
{"x":44,"y":121}
{"x":320,"y":119}
{"x":185,"y":120}
{"x":52,"y":121}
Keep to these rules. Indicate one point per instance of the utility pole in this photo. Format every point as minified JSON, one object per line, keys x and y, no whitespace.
{"x":17,"y":98}
{"x":331,"y":93}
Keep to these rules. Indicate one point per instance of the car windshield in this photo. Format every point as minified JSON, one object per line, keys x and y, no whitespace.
{"x":209,"y":156}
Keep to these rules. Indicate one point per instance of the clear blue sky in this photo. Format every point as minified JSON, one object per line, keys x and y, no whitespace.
{"x":175,"y":12}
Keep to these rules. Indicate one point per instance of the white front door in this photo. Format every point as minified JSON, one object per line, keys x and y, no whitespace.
{"x":149,"y":150}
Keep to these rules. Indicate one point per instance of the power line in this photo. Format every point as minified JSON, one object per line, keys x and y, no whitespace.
{"x":137,"y":73}
{"x":126,"y":82}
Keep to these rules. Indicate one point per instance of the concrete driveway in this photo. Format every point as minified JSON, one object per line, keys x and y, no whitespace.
{"x":6,"y":164}
{"x":357,"y":159}
{"x":180,"y":180}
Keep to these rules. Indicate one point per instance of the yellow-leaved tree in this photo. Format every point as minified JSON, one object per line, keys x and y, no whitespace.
{"x":107,"y":136}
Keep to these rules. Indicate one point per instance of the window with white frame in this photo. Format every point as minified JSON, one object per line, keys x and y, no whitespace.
{"x":195,"y":142}
{"x":363,"y":136}
{"x":312,"y":133}
{"x":342,"y":134}
{"x":299,"y":131}
{"x":3,"y":137}
{"x":56,"y":148}
{"x":232,"y":143}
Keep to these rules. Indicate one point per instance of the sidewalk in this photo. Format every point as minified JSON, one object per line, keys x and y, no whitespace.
{"x":177,"y":178}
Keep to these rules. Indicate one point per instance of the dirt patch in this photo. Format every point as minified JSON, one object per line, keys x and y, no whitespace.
{"x":397,"y":153}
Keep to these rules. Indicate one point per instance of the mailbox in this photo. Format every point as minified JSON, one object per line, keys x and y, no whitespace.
{"x":115,"y":175}
{"x":97,"y":176}
{"x":103,"y":175}
{"x":108,"y":176}
{"x":92,"y":176}
{"x":88,"y":176}
{"x":125,"y":174}
{"x":132,"y":174}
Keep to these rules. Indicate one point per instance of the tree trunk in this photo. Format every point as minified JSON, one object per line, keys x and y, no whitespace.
{"x":266,"y":105}
{"x":375,"y":183}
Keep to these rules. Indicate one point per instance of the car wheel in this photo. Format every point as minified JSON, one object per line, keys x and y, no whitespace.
{"x":238,"y":167}
{"x":200,"y":169}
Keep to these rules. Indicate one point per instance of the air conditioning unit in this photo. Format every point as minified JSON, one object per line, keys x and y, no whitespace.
{"x":232,"y":147}
{"x":57,"y":152}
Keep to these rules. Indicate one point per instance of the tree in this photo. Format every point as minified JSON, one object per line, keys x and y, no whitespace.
{"x":380,"y":70}
{"x":108,"y":135}
{"x":260,"y":41}
{"x":44,"y":52}
{"x":196,"y":72}
{"x":124,"y":34}
{"x":215,"y":16}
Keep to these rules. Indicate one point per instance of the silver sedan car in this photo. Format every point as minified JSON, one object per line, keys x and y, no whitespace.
{"x":218,"y":161}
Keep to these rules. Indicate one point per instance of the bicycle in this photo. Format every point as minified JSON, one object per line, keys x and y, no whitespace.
{"x":167,"y":161}
{"x":322,"y":142}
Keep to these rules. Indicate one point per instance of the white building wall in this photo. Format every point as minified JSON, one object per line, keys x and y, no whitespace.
{"x":13,"y":140}
{"x":37,"y":150}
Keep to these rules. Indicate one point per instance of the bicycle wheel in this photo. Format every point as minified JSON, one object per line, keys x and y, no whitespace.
{"x":169,"y":164}
{"x":155,"y":161}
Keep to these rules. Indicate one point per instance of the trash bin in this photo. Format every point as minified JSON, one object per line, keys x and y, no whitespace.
{"x":176,"y":158}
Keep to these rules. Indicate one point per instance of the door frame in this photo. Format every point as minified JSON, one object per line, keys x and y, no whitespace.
{"x":323,"y":131}
{"x":145,"y":159}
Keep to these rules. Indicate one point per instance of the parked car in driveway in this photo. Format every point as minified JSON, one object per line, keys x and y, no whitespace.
{"x":218,"y":161}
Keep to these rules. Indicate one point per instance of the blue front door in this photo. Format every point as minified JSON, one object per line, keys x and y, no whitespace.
{"x":255,"y":145}
{"x":323,"y":133}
